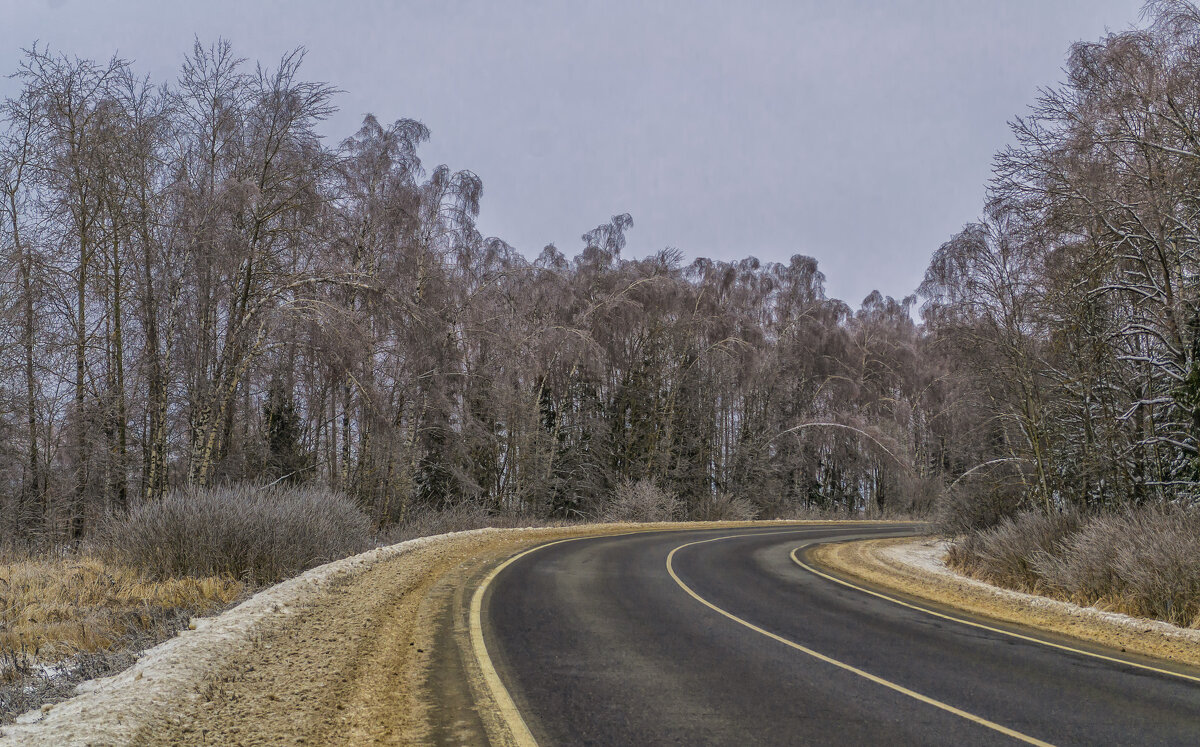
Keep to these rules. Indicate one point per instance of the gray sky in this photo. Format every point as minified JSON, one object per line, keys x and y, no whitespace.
{"x":860,"y":133}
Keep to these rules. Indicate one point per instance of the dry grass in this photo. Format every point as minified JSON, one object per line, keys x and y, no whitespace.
{"x":54,"y":609}
{"x":68,"y":619}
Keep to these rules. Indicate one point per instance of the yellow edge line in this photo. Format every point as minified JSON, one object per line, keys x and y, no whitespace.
{"x":508,"y":710}
{"x":842,"y":665}
{"x":509,"y":713}
{"x":989,"y":628}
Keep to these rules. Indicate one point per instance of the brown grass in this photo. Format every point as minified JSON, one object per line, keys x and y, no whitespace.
{"x":52,"y":609}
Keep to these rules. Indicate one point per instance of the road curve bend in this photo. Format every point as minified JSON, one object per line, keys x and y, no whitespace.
{"x":722,"y":637}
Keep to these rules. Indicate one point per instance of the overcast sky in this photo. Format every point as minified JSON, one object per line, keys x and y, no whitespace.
{"x":860,"y":133}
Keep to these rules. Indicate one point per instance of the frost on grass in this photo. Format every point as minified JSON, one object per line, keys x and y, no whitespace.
{"x":147,"y":572}
{"x":111,"y":709}
{"x":65,"y":620}
{"x":1142,"y":561}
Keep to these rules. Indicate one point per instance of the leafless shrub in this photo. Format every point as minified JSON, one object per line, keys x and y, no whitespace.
{"x":725,"y":507}
{"x":643,"y":501}
{"x":962,"y":511}
{"x":918,"y":495}
{"x":1004,"y":554}
{"x":1144,"y":562}
{"x":1083,"y":570}
{"x":253,"y":533}
{"x":801,"y":512}
{"x":1160,"y":568}
{"x":963,"y":553}
{"x":425,"y":521}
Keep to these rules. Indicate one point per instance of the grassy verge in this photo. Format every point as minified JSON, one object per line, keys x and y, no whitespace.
{"x":143,"y":574}
{"x":68,"y":619}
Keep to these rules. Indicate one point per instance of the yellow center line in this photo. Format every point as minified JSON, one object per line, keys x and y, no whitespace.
{"x":989,"y":628}
{"x":518,"y":730}
{"x":840,"y":664}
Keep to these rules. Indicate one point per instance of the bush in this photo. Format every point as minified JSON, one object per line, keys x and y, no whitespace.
{"x":725,"y":507}
{"x":643,"y":501}
{"x":1144,"y":562}
{"x":1159,"y":566}
{"x":809,"y":512}
{"x":1083,"y":570}
{"x":249,"y":532}
{"x":1005,"y":554}
{"x":963,"y":511}
{"x":426,"y":521}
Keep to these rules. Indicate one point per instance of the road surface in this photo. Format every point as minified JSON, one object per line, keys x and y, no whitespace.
{"x":721,"y":637}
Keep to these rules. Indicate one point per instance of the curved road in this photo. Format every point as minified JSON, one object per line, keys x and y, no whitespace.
{"x":602,"y":641}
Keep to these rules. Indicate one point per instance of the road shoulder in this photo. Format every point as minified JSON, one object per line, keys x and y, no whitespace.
{"x":913,"y":571}
{"x":354,"y":651}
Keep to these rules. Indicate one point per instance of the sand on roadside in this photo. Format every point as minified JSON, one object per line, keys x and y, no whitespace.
{"x":338,"y":655}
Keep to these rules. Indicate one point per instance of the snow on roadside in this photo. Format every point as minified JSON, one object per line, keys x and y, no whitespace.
{"x":928,"y":557}
{"x":110,"y":710}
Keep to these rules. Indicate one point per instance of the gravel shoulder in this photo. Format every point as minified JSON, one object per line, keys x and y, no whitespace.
{"x":355,"y":651}
{"x":915,"y":569}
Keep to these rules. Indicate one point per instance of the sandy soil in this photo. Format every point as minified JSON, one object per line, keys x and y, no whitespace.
{"x":916,"y":568}
{"x":350,"y":670}
{"x":280,"y":652}
{"x":357,"y":651}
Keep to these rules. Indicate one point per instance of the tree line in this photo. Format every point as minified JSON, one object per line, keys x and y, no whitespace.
{"x":1073,"y":306}
{"x":199,"y":289}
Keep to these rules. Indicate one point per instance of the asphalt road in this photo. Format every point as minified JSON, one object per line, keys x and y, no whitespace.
{"x":599,"y":641}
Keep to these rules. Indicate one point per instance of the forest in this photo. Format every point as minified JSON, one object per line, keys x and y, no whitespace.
{"x":200,"y":290}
